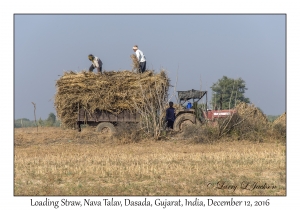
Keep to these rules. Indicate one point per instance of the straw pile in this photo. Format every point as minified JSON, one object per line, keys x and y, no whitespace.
{"x":109,"y":91}
{"x":251,"y":113}
{"x":281,"y":120}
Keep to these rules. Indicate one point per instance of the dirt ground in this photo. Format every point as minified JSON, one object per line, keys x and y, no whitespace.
{"x":53,"y":161}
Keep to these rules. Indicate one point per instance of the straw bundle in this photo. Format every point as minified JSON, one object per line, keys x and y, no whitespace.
{"x":109,"y":91}
{"x":251,"y":113}
{"x":135,"y":63}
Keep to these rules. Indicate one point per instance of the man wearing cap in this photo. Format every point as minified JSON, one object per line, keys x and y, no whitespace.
{"x":141,"y":58}
{"x":96,"y":63}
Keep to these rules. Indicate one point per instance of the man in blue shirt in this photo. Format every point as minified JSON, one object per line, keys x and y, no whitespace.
{"x":170,"y":115}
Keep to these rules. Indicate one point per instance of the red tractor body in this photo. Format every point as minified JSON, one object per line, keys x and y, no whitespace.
{"x":217,"y":114}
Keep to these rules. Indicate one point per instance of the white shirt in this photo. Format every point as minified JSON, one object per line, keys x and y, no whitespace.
{"x":140,"y":56}
{"x":97,"y":62}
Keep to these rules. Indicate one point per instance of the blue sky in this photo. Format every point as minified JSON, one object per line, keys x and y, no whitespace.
{"x":197,"y":49}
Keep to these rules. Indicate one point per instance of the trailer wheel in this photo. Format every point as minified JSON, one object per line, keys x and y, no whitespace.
{"x":106,"y":128}
{"x":184,"y":120}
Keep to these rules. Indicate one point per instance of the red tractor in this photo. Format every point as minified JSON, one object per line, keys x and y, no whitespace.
{"x":191,"y":112}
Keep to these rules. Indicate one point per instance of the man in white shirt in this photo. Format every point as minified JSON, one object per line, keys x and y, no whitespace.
{"x":96,"y":63}
{"x":141,"y":58}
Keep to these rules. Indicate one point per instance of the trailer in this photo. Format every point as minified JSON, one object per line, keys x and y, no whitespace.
{"x":106,"y":122}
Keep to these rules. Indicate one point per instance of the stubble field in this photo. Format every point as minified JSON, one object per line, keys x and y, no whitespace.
{"x":53,"y":161}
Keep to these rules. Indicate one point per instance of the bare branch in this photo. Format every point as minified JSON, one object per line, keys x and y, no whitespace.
{"x":35,"y":116}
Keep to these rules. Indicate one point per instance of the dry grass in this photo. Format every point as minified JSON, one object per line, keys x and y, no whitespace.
{"x":109,"y":91}
{"x":64,"y":162}
{"x":281,"y":120}
{"x":135,"y":63}
{"x":250,"y":112}
{"x":250,"y":123}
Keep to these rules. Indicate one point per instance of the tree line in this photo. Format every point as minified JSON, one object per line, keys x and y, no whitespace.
{"x":51,"y":121}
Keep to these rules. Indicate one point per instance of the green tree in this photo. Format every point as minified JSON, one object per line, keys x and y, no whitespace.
{"x":51,"y":119}
{"x":227,"y":92}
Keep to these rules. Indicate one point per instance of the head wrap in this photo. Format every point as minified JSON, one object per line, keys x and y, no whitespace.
{"x":91,"y":57}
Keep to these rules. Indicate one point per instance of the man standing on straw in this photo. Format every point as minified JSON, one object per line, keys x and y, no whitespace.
{"x":141,"y":58}
{"x":96,"y":63}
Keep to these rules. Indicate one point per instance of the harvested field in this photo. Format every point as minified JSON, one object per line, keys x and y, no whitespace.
{"x":54,"y":161}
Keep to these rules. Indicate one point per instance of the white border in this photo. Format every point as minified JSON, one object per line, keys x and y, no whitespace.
{"x":8,"y":8}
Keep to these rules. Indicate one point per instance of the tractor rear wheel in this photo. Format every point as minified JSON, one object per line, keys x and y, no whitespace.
{"x":106,"y":128}
{"x":185,"y":120}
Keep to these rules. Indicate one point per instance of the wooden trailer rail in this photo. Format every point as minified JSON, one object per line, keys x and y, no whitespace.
{"x":104,"y":120}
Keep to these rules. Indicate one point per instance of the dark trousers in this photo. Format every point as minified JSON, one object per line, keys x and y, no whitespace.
{"x":99,"y":69}
{"x":170,"y":124}
{"x":142,"y":67}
